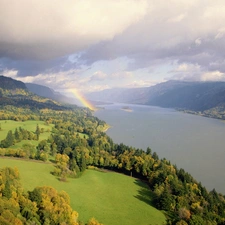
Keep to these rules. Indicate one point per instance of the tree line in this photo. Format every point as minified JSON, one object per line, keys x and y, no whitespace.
{"x":42,"y":206}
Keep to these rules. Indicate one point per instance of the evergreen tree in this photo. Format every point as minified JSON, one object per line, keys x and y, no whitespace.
{"x":38,"y":131}
{"x":9,"y":140}
{"x":148,"y":151}
{"x":17,"y":135}
{"x":165,"y":201}
{"x":7,"y":190}
{"x":83,"y":163}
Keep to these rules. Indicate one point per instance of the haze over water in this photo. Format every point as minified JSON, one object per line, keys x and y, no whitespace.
{"x":192,"y":142}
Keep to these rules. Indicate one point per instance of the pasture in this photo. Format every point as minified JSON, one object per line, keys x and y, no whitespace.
{"x":29,"y":125}
{"x":112,"y":198}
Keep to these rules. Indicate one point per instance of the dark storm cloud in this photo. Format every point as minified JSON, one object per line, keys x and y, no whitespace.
{"x":34,"y":67}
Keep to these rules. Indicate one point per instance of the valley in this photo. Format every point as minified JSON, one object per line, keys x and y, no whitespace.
{"x":72,"y":142}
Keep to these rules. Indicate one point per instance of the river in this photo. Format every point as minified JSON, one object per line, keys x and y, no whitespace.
{"x":194,"y":143}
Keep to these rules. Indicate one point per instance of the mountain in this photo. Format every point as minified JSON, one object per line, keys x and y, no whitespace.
{"x":196,"y":96}
{"x":11,"y":84}
{"x":125,"y":95}
{"x":16,"y":93}
{"x":49,"y":93}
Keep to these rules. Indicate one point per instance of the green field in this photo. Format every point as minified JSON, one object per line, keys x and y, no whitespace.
{"x":112,"y":198}
{"x":29,"y":125}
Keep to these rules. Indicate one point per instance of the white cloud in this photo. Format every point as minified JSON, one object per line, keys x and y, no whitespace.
{"x":177,"y":19}
{"x":141,"y":83}
{"x":198,"y":41}
{"x":49,"y":28}
{"x":10,"y":73}
{"x":221,"y":33}
{"x":187,"y":68}
{"x":121,"y":75}
{"x":61,"y":79}
{"x":93,"y":88}
{"x":98,"y":76}
{"x":113,"y":40}
{"x":213,"y":76}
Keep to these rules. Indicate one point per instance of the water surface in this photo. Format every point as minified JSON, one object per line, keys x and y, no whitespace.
{"x":192,"y":142}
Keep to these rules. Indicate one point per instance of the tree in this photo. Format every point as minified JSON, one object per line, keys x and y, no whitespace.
{"x":155,"y":156}
{"x":43,"y":146}
{"x":53,"y":206}
{"x":181,"y":222}
{"x":38,"y":132}
{"x":53,"y":149}
{"x":93,"y":221}
{"x":9,"y":140}
{"x":82,"y":163}
{"x":184,"y":213}
{"x":17,"y":135}
{"x":197,"y":220}
{"x":7,"y":190}
{"x":148,"y":151}
{"x":166,"y":201}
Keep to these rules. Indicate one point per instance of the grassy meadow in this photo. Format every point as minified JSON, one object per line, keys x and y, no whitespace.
{"x":29,"y":125}
{"x":111,"y":198}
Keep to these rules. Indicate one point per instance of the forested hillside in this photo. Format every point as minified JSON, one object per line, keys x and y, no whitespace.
{"x":47,"y":92}
{"x":204,"y":98}
{"x":15,"y":93}
{"x":76,"y":142}
{"x":35,"y":207}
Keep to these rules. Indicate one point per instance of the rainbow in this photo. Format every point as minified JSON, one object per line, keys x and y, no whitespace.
{"x":82,"y":99}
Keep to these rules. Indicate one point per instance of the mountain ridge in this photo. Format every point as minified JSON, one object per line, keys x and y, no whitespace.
{"x":10,"y":83}
{"x":195,"y":97}
{"x":16,"y":93}
{"x":47,"y":92}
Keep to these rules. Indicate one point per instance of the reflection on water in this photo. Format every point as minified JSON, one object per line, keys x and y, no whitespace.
{"x":194,"y":143}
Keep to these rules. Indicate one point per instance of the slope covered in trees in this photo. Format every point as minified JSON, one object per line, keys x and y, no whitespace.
{"x":43,"y":205}
{"x":15,"y":93}
{"x":77,"y":141}
{"x":49,"y":93}
{"x":205,"y":98}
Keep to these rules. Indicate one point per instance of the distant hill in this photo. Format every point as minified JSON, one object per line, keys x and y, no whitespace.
{"x":16,"y":93}
{"x":11,"y":84}
{"x":193,"y":96}
{"x":196,"y":96}
{"x":125,"y":95}
{"x":47,"y":92}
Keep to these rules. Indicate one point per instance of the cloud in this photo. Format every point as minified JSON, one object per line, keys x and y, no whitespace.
{"x":177,"y":19}
{"x":34,"y":67}
{"x":10,"y":73}
{"x":182,"y":33}
{"x":213,"y":76}
{"x":94,"y":44}
{"x":121,"y":75}
{"x":193,"y":72}
{"x":141,"y":83}
{"x":188,"y":72}
{"x":44,"y":29}
{"x":98,"y":76}
{"x":198,"y":41}
{"x":62,"y":79}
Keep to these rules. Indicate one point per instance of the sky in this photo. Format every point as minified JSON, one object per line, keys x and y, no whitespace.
{"x":92,"y":45}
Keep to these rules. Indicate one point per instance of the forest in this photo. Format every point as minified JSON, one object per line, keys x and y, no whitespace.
{"x":76,"y":142}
